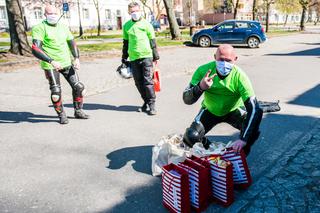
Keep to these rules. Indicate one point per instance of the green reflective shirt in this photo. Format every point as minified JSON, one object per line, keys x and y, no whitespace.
{"x":225,"y":95}
{"x":54,"y":42}
{"x":138,"y":34}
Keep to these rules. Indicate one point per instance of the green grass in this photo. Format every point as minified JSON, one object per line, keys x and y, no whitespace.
{"x":4,"y":35}
{"x":166,"y":33}
{"x":4,"y":44}
{"x":102,"y":36}
{"x":273,"y":33}
{"x":4,"y":60}
{"x":100,"y":47}
{"x":162,"y":42}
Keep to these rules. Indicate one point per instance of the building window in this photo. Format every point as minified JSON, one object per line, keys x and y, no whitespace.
{"x":38,"y":13}
{"x":2,"y":12}
{"x":118,"y":13}
{"x":85,"y":12}
{"x":108,"y":14}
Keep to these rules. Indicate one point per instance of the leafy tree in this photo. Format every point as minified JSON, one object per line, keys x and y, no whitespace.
{"x":80,"y":24}
{"x":287,"y":7}
{"x":145,"y":5}
{"x":159,"y":8}
{"x":254,"y":9}
{"x":173,"y":24}
{"x":19,"y":44}
{"x":235,"y":12}
{"x":96,"y":5}
{"x":305,"y":4}
{"x":266,"y":7}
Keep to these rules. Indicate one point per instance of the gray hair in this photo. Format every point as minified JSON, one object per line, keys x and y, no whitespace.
{"x":133,"y":4}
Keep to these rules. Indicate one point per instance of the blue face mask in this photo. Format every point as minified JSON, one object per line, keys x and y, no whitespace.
{"x":224,"y":67}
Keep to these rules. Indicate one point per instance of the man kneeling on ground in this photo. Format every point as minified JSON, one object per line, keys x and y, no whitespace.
{"x":228,"y":97}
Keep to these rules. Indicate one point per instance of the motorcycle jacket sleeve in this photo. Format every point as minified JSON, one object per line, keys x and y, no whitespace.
{"x":73,"y":48}
{"x":125,"y":48}
{"x":191,"y":94}
{"x":38,"y":52}
{"x":153,"y":46}
{"x":253,"y":118}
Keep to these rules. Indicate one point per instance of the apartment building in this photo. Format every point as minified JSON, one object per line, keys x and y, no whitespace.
{"x":3,"y":16}
{"x":113,"y":13}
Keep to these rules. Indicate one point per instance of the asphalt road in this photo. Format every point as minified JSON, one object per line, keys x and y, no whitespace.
{"x":103,"y":164}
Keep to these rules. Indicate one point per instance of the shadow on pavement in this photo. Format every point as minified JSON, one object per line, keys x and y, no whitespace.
{"x":146,"y":199}
{"x":279,"y":134}
{"x":91,"y":106}
{"x":309,"y":43}
{"x":141,"y":155}
{"x":18,"y":117}
{"x":309,"y":98}
{"x":237,"y":46}
{"x":189,"y":44}
{"x":309,"y":52}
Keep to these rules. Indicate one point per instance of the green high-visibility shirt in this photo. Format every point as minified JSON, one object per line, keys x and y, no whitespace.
{"x":54,"y":42}
{"x":138,"y":34}
{"x":225,"y":95}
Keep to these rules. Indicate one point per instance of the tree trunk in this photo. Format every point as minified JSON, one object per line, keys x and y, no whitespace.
{"x":303,"y":15}
{"x":286,"y":20}
{"x":80,"y":25}
{"x":99,"y":22}
{"x":173,"y":24}
{"x":236,"y":9}
{"x":254,"y":9}
{"x":18,"y":37}
{"x":316,"y":21}
{"x":267,"y":17}
{"x":96,"y":4}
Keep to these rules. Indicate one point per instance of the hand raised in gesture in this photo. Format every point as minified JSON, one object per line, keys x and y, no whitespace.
{"x":207,"y":81}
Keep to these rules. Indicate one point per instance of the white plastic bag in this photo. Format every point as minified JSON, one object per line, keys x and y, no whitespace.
{"x":170,"y":149}
{"x":215,"y":148}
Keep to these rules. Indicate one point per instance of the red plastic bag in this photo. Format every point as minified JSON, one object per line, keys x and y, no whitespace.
{"x":156,"y":79}
{"x":206,"y":164}
{"x":175,"y":189}
{"x":241,"y":174}
{"x":198,"y":184}
{"x":222,"y":181}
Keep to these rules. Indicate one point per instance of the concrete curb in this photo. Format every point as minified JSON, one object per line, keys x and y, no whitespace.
{"x":109,"y":53}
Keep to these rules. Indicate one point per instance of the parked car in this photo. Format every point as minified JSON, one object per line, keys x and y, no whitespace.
{"x":232,"y":32}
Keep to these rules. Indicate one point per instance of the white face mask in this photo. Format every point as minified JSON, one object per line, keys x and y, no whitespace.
{"x":52,"y":19}
{"x":136,"y":16}
{"x":224,"y":67}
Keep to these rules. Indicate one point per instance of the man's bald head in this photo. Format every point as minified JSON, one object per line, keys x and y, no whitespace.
{"x":225,"y":52}
{"x":51,"y":10}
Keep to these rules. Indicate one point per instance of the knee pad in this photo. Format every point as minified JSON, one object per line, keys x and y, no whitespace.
{"x":194,"y":134}
{"x":79,"y":88}
{"x":55,"y":94}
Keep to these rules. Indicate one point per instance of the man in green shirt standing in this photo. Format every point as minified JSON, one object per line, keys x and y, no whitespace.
{"x":228,"y":97}
{"x":54,"y":44}
{"x":140,"y":46}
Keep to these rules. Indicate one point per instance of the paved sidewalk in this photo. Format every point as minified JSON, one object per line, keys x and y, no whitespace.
{"x":291,"y":185}
{"x":103,"y":164}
